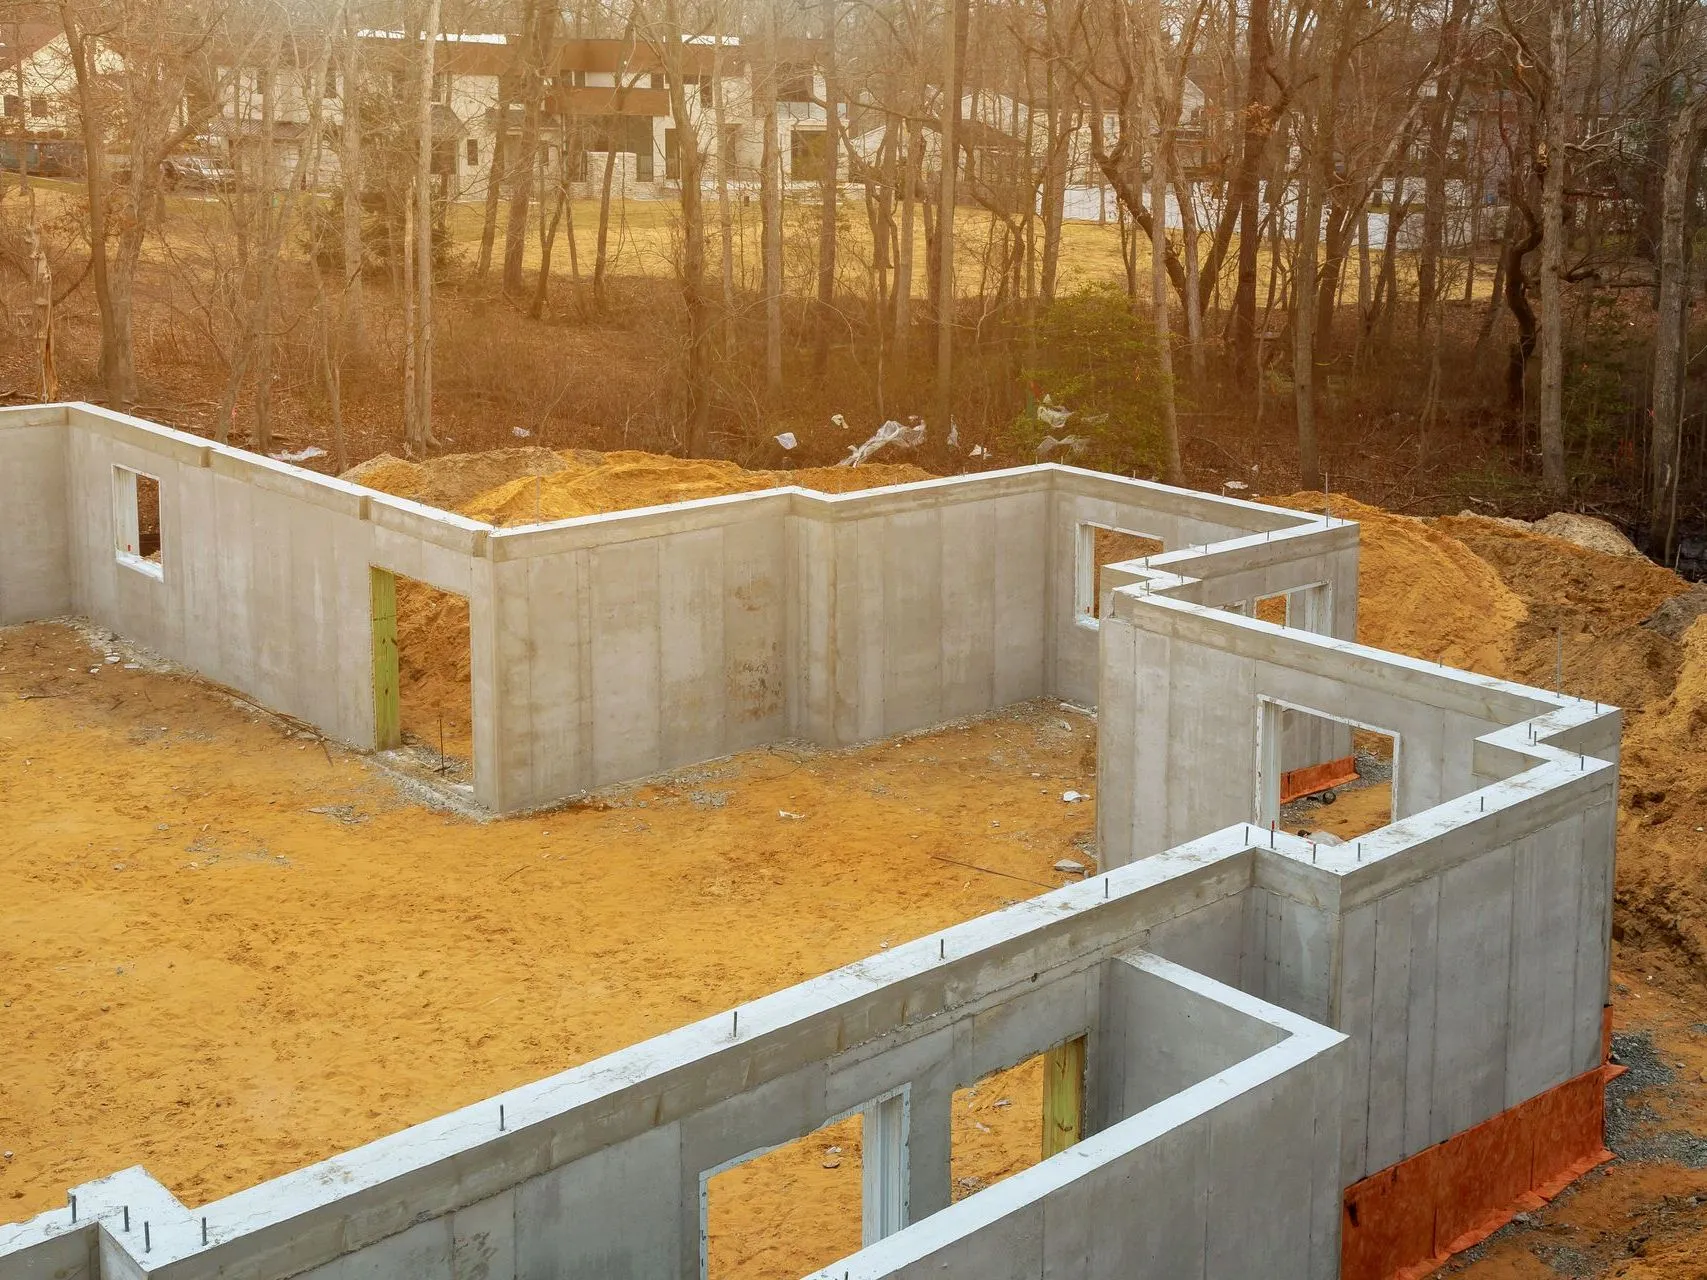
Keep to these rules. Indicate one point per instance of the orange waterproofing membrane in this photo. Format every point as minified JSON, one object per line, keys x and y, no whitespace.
{"x":1405,"y":1221}
{"x":1317,"y":777}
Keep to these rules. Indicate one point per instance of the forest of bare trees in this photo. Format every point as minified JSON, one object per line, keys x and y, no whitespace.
{"x":1442,"y":250}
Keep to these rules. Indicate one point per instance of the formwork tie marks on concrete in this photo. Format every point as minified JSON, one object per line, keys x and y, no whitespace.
{"x":1360,"y":1055}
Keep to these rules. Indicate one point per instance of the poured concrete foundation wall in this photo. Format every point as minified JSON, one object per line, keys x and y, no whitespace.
{"x":35,"y":552}
{"x":1299,"y":1016}
{"x":606,"y":648}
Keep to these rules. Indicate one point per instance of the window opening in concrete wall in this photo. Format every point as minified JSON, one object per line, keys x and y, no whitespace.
{"x":136,"y":520}
{"x":422,"y":674}
{"x":1014,"y":1118}
{"x":1099,"y":545}
{"x":1270,"y":609}
{"x":786,"y":1211}
{"x":1341,"y":781}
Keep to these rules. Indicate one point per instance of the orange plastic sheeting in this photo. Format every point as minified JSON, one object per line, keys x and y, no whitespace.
{"x":1406,"y":1220}
{"x":1317,"y":777}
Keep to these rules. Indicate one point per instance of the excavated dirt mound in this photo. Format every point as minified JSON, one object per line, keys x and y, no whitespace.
{"x":593,"y":484}
{"x":521,"y":486}
{"x":449,"y":482}
{"x":1423,"y":592}
{"x":1594,"y":601}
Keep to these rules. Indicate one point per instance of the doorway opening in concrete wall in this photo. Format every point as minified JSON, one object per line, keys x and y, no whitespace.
{"x":422,"y":674}
{"x":1325,"y":777}
{"x":136,"y":520}
{"x":785,"y":1211}
{"x":1099,"y":545}
{"x":1014,"y":1118}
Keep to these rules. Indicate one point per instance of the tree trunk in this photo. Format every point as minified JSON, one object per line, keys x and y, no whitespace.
{"x":118,"y":373}
{"x":1159,"y":304}
{"x":828,"y":194}
{"x":1552,"y":426}
{"x":912,"y":169}
{"x":1304,"y":325}
{"x":350,"y":161}
{"x":494,"y":188}
{"x":770,"y":212}
{"x":521,"y":187}
{"x":693,"y":239}
{"x":1669,"y":329}
{"x":421,"y":428}
{"x":725,"y":211}
{"x":1245,"y":189}
{"x":952,"y":47}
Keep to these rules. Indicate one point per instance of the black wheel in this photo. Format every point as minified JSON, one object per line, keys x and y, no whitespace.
{"x":1328,"y":796}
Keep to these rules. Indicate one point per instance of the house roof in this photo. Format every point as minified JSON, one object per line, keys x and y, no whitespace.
{"x":24,"y":39}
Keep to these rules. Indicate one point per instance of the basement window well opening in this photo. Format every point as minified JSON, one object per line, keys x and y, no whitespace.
{"x":1014,"y":1118}
{"x":787,"y":1210}
{"x":422,"y":675}
{"x":136,"y":521}
{"x":1099,"y":545}
{"x":1324,"y":777}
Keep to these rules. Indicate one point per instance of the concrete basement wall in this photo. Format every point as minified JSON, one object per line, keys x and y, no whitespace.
{"x":606,"y":648}
{"x":263,"y":571}
{"x":35,"y":556}
{"x":1465,"y":947}
{"x":1221,"y":1161}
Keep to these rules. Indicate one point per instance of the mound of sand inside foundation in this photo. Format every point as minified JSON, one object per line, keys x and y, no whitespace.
{"x":593,"y":484}
{"x":508,"y":487}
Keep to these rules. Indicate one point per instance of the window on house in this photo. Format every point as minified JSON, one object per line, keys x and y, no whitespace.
{"x":329,"y":89}
{"x":444,"y":157}
{"x":706,"y":91}
{"x":12,"y":106}
{"x":136,"y":520}
{"x":38,"y":106}
{"x":672,"y":157}
{"x":655,"y":80}
{"x":473,"y":152}
{"x":441,"y":87}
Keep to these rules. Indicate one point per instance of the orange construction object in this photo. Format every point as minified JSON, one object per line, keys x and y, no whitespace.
{"x":1317,"y":777}
{"x":1408,"y":1219}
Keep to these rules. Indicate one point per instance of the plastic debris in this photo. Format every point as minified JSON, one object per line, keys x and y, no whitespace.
{"x":1072,"y":797}
{"x":299,"y":455}
{"x":786,"y":440}
{"x":890,"y":433}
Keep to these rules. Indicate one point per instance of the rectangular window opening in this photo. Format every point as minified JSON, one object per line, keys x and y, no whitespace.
{"x":1099,"y":545}
{"x":1014,"y":1118}
{"x":423,"y":684}
{"x":1335,"y":777}
{"x":787,"y":1211}
{"x":136,"y":520}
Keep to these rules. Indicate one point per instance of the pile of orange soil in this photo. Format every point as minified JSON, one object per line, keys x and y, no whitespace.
{"x":590,"y":484}
{"x":507,"y":487}
{"x":1423,"y":592}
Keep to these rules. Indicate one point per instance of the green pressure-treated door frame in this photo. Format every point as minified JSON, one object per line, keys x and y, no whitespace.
{"x":1063,"y":1096}
{"x":387,"y":720}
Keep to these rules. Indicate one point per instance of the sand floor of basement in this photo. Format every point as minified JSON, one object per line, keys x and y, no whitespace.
{"x":230,"y":951}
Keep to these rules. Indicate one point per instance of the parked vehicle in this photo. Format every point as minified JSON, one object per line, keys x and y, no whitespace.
{"x":198,"y":173}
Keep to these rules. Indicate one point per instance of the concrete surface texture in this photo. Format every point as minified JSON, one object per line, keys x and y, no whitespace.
{"x":1263,"y":1021}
